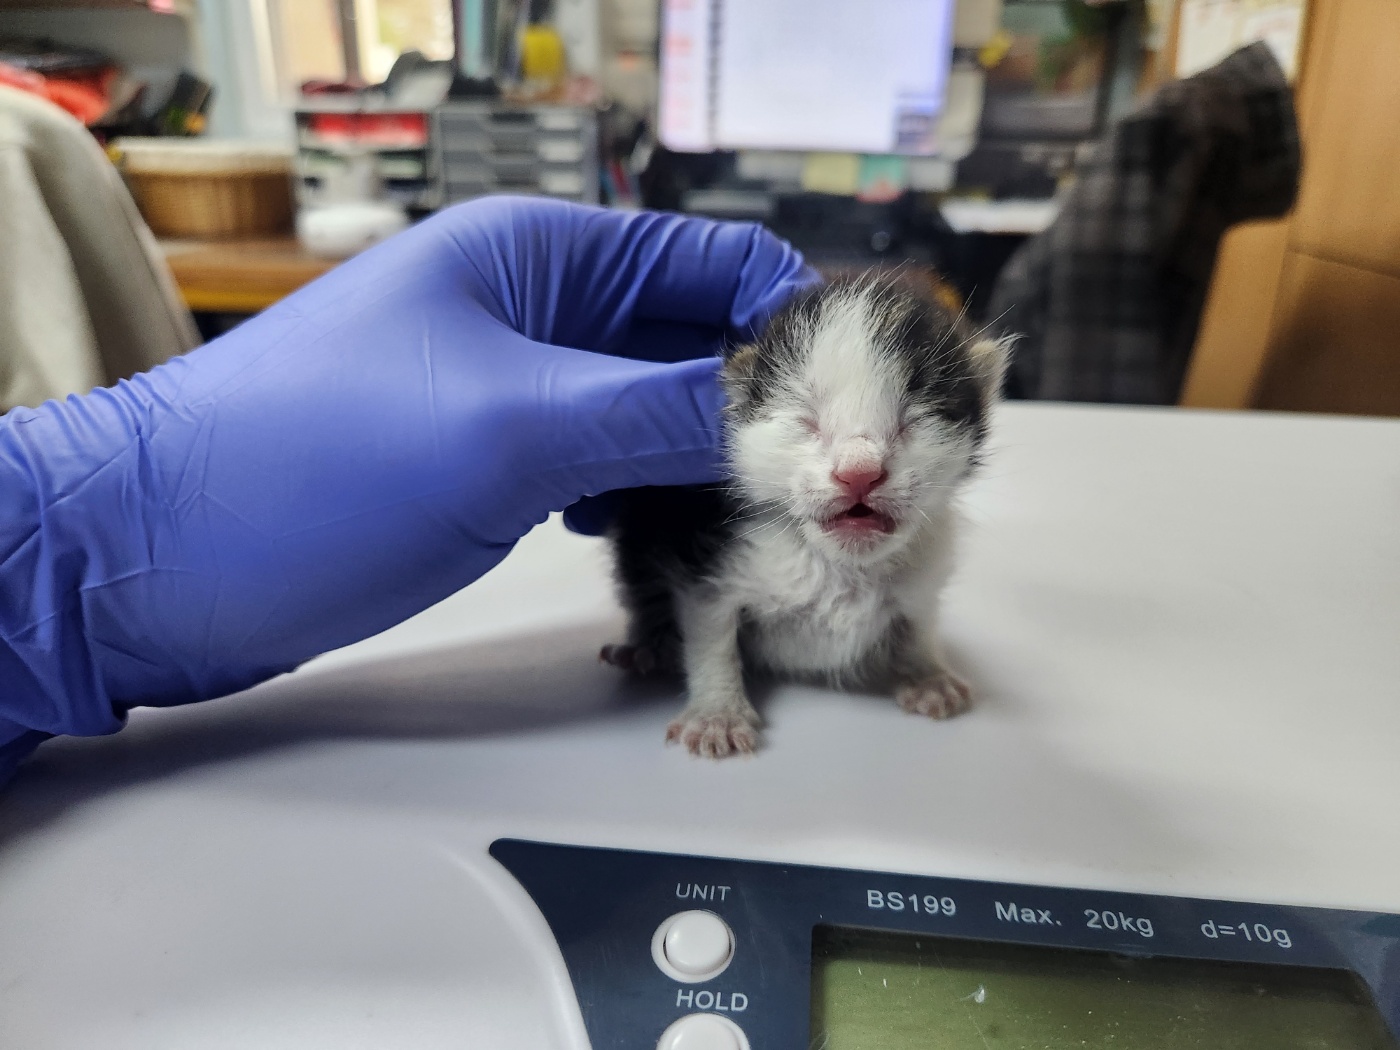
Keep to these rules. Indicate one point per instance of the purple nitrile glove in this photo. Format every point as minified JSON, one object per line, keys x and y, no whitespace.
{"x":360,"y":451}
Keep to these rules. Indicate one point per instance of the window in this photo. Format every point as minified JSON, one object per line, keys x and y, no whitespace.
{"x":339,"y":40}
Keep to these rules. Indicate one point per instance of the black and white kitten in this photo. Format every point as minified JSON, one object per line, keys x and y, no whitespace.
{"x":851,"y":425}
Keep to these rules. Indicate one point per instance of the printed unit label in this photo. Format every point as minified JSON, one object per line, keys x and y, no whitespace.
{"x":925,"y":904}
{"x":697,"y":892}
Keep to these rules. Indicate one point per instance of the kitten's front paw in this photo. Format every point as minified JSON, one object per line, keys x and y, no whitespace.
{"x":941,"y":695}
{"x":635,"y":659}
{"x":714,"y":735}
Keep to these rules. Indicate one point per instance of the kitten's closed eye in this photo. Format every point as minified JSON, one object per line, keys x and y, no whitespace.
{"x":959,"y":410}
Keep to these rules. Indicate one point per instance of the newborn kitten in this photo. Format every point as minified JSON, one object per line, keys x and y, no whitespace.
{"x":851,"y":425}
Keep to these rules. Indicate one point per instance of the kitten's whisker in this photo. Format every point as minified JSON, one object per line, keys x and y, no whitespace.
{"x":984,"y":329}
{"x":952,"y":330}
{"x":785,"y":522}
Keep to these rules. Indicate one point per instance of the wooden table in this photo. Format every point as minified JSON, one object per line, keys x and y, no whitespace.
{"x":240,"y":276}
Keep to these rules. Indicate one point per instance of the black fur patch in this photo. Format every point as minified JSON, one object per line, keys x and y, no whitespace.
{"x":662,"y":536}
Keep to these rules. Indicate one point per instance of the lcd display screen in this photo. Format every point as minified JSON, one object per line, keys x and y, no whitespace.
{"x":880,"y":991}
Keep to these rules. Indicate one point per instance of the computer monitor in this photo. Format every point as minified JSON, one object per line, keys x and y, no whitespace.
{"x":866,"y":77}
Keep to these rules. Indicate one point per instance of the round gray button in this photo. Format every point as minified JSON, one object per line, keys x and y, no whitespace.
{"x":698,"y":943}
{"x":703,"y":1032}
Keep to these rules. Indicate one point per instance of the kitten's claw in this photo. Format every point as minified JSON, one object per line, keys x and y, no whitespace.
{"x":942,"y":695}
{"x":714,"y":736}
{"x":637,"y":659}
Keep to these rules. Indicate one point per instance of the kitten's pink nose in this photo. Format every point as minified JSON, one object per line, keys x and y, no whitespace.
{"x":859,"y":481}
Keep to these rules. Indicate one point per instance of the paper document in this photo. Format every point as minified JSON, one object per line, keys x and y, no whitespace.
{"x":1212,"y":29}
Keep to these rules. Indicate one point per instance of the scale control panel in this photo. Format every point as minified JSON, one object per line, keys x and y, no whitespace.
{"x":670,"y":952}
{"x":694,"y":947}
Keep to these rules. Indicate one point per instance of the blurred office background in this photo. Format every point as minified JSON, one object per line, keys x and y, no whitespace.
{"x":1170,"y":201}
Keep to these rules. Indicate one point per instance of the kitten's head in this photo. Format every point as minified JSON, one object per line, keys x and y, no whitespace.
{"x":859,"y":412}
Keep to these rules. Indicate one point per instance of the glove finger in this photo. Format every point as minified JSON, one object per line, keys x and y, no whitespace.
{"x":733,"y":276}
{"x":586,"y":277}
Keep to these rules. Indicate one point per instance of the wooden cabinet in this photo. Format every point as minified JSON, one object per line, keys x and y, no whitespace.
{"x":1304,"y":313}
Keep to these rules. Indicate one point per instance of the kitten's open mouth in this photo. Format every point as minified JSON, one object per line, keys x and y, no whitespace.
{"x":859,"y":520}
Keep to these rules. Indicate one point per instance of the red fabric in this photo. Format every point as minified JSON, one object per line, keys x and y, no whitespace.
{"x":85,"y":95}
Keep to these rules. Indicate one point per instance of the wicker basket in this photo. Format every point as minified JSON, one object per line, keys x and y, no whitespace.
{"x":209,"y":188}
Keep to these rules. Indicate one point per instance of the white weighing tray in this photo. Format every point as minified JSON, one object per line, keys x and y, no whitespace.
{"x":1183,"y":630}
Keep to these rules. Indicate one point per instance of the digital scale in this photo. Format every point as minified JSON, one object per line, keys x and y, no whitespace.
{"x":1171,"y":820}
{"x":787,"y":956}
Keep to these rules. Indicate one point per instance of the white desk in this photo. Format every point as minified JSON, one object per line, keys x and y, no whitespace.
{"x":1182,"y":629}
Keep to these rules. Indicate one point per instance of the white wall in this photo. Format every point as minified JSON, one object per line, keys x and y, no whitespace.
{"x":236,"y":50}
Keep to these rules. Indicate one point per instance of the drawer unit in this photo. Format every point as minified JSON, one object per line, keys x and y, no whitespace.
{"x":480,"y":148}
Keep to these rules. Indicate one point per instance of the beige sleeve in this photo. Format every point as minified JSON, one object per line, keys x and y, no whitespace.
{"x":47,"y":347}
{"x":137,"y":317}
{"x":85,"y":296}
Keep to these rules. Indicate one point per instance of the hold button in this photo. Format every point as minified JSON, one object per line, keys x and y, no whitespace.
{"x":693,"y":946}
{"x":703,"y":1032}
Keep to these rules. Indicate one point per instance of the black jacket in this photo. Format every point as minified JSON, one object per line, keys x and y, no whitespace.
{"x":1108,"y":299}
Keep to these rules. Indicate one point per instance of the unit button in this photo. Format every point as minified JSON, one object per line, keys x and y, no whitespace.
{"x":703,"y":1032}
{"x":698,"y":943}
{"x":693,"y":946}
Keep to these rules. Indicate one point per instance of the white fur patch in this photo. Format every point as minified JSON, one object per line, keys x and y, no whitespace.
{"x":853,"y":389}
{"x":814,"y":616}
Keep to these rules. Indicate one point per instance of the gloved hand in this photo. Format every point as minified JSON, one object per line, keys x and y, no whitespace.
{"x":359,"y":452}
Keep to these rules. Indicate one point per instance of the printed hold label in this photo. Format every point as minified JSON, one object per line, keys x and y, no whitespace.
{"x":720,"y":1002}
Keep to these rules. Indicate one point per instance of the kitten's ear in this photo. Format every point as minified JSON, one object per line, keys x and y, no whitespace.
{"x":990,"y":358}
{"x":739,"y":356}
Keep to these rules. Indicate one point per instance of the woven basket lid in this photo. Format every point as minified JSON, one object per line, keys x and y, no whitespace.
{"x":171,"y":156}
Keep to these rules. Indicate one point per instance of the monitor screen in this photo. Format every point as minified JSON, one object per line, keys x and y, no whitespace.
{"x":863,"y":77}
{"x":900,"y":992}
